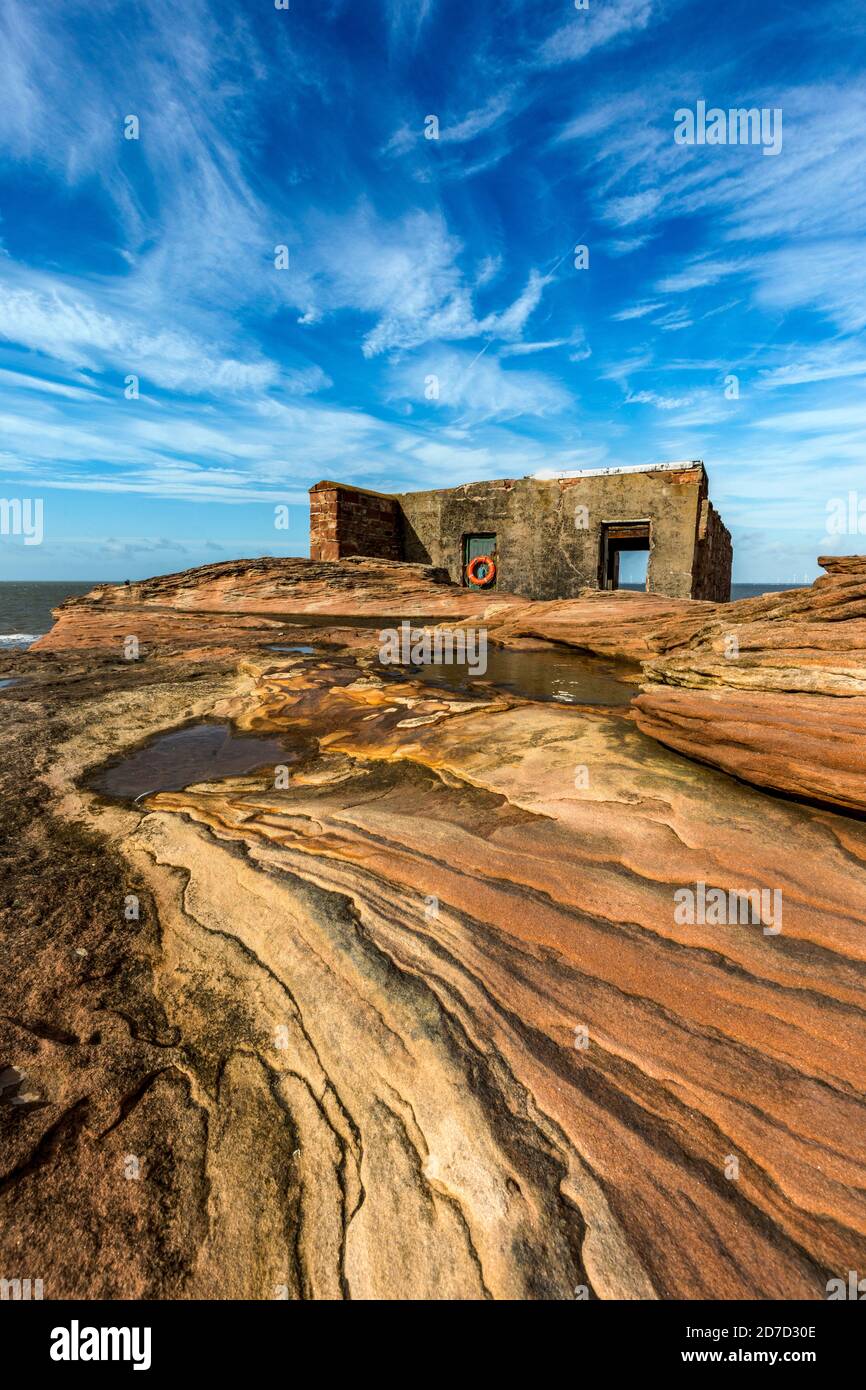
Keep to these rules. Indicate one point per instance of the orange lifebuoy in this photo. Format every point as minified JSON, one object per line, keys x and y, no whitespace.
{"x":481,"y":581}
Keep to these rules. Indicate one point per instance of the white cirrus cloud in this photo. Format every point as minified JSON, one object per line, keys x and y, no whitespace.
{"x":405,"y":273}
{"x":637,"y":311}
{"x":829,"y":276}
{"x":63,"y":321}
{"x":699,"y":273}
{"x":598,"y":25}
{"x":477,"y":387}
{"x":820,"y":362}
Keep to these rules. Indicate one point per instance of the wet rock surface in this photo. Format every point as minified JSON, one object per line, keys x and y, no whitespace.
{"x":417,"y":1020}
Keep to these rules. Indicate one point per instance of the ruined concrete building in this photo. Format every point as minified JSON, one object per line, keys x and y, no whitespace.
{"x":544,"y":537}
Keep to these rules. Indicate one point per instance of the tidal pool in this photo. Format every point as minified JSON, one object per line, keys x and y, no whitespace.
{"x":567,"y":677}
{"x":197,"y":753}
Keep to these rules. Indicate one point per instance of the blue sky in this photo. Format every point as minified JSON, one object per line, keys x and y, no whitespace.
{"x":412,"y":258}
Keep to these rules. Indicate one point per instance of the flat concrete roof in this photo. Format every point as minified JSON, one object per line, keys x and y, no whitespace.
{"x":548,"y":475}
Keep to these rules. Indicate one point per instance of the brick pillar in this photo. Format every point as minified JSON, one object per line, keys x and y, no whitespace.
{"x":352,"y":521}
{"x":324,"y":544}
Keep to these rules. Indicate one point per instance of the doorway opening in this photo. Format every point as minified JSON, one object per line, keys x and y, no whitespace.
{"x":633,"y":569}
{"x":480,"y":546}
{"x":624,"y":555}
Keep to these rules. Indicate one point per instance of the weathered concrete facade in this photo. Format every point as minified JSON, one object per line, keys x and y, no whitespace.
{"x":549,"y":538}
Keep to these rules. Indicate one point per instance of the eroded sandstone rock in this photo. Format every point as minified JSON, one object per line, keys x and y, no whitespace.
{"x":420,"y":1020}
{"x":772,"y":689}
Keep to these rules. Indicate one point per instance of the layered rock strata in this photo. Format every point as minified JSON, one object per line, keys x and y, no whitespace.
{"x":772,"y":689}
{"x":415,"y":1014}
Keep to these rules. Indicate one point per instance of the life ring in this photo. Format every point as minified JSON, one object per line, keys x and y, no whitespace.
{"x":481,"y":581}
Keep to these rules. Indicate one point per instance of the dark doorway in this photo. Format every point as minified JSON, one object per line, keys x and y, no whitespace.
{"x":481,"y":544}
{"x":617,"y":538}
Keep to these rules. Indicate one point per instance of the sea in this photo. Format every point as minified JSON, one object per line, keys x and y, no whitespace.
{"x":25,"y":607}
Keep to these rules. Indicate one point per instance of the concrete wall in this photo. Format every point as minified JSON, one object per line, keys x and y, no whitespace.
{"x":714,"y":557}
{"x":545,"y":549}
{"x":548,"y":532}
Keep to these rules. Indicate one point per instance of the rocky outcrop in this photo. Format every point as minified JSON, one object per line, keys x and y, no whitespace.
{"x":413,"y":1015}
{"x":295,"y":585}
{"x":619,"y":623}
{"x":742,"y":686}
{"x":772,"y":689}
{"x":176,"y":611}
{"x":107,"y":627}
